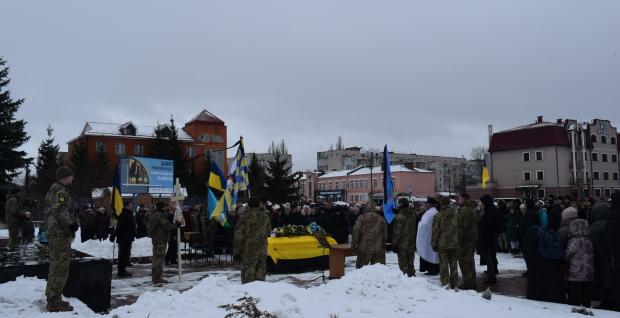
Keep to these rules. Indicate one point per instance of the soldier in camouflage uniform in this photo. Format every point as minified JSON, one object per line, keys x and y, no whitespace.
{"x":14,"y":216}
{"x":369,"y":237}
{"x":468,"y":237}
{"x":61,"y":225}
{"x":404,"y":238}
{"x":445,"y":241}
{"x":159,"y":229}
{"x":250,"y":242}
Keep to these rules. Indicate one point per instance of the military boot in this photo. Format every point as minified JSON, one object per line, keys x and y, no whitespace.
{"x":58,"y":305}
{"x":160,"y":281}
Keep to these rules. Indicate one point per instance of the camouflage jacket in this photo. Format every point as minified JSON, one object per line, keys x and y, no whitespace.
{"x":158,"y":226}
{"x":14,"y":213}
{"x":445,"y":230}
{"x":60,"y":221}
{"x":251,"y":232}
{"x":468,"y":226}
{"x":369,"y":234}
{"x":405,"y":230}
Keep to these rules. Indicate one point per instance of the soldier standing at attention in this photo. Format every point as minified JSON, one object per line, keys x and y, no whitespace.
{"x":369,"y":237}
{"x":445,"y":241}
{"x":250,"y":242}
{"x":405,"y":231}
{"x":468,"y":237}
{"x":158,"y":228}
{"x":61,"y":226}
{"x":14,"y":216}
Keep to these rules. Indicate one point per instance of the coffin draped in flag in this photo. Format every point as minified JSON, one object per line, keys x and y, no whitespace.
{"x":388,"y":188}
{"x":117,"y":199}
{"x":219,"y":199}
{"x":239,"y":174}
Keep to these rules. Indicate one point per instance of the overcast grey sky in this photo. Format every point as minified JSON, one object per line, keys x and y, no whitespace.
{"x":423,"y":76}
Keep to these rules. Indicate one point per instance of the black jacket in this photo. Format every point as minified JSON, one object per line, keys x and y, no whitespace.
{"x":610,"y":247}
{"x":125,"y":227}
{"x":488,"y":229}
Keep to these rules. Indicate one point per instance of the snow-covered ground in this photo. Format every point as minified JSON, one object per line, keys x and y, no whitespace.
{"x":373,"y":291}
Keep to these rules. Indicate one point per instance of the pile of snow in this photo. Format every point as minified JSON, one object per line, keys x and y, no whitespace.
{"x":373,"y":291}
{"x":140,"y":248}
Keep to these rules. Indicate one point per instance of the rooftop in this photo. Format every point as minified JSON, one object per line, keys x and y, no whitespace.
{"x":538,"y":134}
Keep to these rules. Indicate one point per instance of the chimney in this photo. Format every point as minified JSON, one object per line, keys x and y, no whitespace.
{"x":559,"y":121}
{"x":490,"y":133}
{"x":540,"y":119}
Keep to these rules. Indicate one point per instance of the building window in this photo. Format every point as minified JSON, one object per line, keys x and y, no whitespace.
{"x":614,"y":158}
{"x":594,"y":141}
{"x":539,"y":155}
{"x":604,"y":157}
{"x":374,"y":183}
{"x":597,"y":192}
{"x":606,"y":175}
{"x":217,"y":139}
{"x":99,"y":147}
{"x":607,"y":192}
{"x":615,"y":176}
{"x":594,"y":156}
{"x":138,"y":150}
{"x":587,"y":176}
{"x":205,"y":137}
{"x":526,"y":157}
{"x":604,"y":141}
{"x":119,"y":149}
{"x":541,"y":193}
{"x":585,"y":156}
{"x":191,"y":152}
{"x":527,"y":176}
{"x":613,"y":140}
{"x":540,"y":175}
{"x":596,"y":175}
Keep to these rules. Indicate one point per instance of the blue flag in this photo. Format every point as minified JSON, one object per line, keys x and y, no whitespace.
{"x":388,"y":188}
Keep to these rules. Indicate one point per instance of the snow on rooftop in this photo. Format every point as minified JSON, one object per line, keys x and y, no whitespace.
{"x":365,"y":171}
{"x":110,"y":129}
{"x":532,"y":126}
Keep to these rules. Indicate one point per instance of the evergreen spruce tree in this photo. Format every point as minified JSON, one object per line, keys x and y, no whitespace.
{"x":159,"y":145}
{"x":12,"y":132}
{"x":102,"y":174}
{"x":178,"y":155}
{"x":47,"y":163}
{"x":81,"y":169}
{"x":280,"y":184}
{"x":256,"y":174}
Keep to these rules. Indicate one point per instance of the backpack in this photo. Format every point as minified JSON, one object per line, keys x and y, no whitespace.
{"x":549,"y":246}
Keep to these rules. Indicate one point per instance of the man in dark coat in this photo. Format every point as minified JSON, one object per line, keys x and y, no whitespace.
{"x":611,"y":248}
{"x":545,"y":279}
{"x":124,"y":233}
{"x":487,"y":233}
{"x":530,"y":219}
{"x":141,"y":222}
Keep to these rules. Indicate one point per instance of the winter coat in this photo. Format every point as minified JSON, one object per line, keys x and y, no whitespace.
{"x":502,"y":213}
{"x":598,"y":223}
{"x":513,"y":224}
{"x":336,"y":224}
{"x":445,"y":230}
{"x":159,"y":227}
{"x":580,"y":253}
{"x":369,"y":234}
{"x":27,"y":231}
{"x":14,"y":213}
{"x":101,"y":226}
{"x":125,"y":231}
{"x":251,"y":232}
{"x":405,"y":231}
{"x":564,"y":231}
{"x":545,"y":281}
{"x":60,"y":221}
{"x":487,"y":229}
{"x":424,"y":237}
{"x":610,"y":247}
{"x":468,"y":226}
{"x":529,"y":219}
{"x":140,"y":224}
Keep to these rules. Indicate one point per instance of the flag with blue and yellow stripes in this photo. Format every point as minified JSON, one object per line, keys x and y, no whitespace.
{"x":218,"y":197}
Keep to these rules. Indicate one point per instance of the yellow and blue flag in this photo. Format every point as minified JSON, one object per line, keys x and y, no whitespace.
{"x":218,"y":198}
{"x":117,"y":199}
{"x":388,"y":188}
{"x":485,"y":176}
{"x":239,"y":173}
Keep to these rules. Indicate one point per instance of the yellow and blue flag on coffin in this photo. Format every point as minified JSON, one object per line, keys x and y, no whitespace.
{"x":219,"y":199}
{"x":117,"y":199}
{"x":239,"y":173}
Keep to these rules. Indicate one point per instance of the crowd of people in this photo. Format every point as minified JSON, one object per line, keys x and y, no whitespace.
{"x":571,"y":249}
